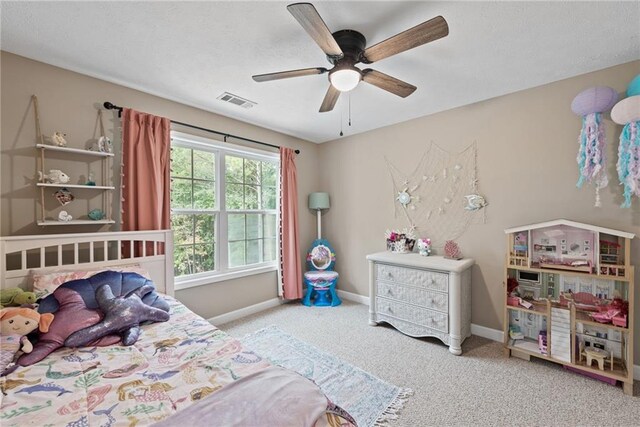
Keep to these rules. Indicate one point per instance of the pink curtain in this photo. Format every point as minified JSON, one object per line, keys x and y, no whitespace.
{"x":146,"y":144}
{"x":290,"y":268}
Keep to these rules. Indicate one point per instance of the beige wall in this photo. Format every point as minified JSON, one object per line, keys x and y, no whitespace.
{"x":69,"y":102}
{"x":527,"y":146}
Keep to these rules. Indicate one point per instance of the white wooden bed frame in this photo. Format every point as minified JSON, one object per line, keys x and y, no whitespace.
{"x":103,"y":250}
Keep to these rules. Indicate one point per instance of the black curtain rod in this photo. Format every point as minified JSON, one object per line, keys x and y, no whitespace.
{"x":110,"y":106}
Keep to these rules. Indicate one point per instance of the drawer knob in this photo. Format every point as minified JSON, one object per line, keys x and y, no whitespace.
{"x":389,"y":274}
{"x":389,"y":292}
{"x":431,"y":300}
{"x":389,"y":309}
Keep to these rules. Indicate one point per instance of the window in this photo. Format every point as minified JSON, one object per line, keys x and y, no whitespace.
{"x":223,"y":210}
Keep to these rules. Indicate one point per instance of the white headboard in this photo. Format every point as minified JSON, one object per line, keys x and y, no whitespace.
{"x":153,"y":250}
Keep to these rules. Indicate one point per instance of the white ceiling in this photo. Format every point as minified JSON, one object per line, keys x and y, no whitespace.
{"x":191,"y":52}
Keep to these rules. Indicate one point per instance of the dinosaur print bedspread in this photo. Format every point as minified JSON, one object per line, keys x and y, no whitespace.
{"x":172,"y":366}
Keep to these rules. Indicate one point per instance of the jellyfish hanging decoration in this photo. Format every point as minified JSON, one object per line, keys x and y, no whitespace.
{"x":590,"y":104}
{"x":627,"y":113}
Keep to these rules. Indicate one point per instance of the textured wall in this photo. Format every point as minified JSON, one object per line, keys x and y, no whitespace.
{"x":527,"y":146}
{"x":69,"y":102}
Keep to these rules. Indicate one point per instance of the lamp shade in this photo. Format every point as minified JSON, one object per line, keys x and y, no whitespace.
{"x":319,"y":201}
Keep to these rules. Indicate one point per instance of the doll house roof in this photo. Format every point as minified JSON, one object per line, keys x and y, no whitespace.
{"x":566,"y":222}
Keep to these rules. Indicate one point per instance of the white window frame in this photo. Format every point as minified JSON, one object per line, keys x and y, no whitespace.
{"x":222,"y":272}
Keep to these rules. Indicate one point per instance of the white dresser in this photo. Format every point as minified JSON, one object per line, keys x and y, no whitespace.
{"x":422,"y":296}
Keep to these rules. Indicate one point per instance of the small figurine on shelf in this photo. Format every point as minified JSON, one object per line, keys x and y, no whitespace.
{"x":105,"y":143}
{"x":424,"y":246}
{"x":64,"y":196}
{"x":58,"y":139}
{"x":451,"y":250}
{"x":96,"y":215}
{"x":64,"y":216}
{"x":91,"y":180}
{"x":55,"y":176}
{"x":542,"y":341}
{"x":515,"y":333}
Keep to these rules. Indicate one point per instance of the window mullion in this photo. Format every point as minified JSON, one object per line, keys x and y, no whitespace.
{"x":222,"y":242}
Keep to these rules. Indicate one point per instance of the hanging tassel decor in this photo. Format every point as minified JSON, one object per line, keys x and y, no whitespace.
{"x":627,"y":113}
{"x":590,"y":104}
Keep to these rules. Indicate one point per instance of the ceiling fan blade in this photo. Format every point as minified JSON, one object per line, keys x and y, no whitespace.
{"x":289,"y":74}
{"x":426,"y":32}
{"x":312,"y":22}
{"x":388,"y":83}
{"x":330,"y":99}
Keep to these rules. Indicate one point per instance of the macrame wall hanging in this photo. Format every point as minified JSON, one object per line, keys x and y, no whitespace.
{"x":439,"y":198}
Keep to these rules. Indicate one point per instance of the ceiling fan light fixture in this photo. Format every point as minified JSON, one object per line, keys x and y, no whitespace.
{"x":345,"y":79}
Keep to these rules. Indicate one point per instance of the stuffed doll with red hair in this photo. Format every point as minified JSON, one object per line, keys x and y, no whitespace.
{"x":15,"y":324}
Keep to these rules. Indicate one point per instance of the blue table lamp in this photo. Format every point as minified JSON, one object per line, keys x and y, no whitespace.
{"x":319,"y":201}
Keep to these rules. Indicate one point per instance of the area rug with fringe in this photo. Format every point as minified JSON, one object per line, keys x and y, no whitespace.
{"x":370,"y":400}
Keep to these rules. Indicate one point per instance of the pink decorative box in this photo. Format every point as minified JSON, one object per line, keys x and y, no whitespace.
{"x":513,"y":301}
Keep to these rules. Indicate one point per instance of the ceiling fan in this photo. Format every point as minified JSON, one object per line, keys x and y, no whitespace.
{"x":346,"y":48}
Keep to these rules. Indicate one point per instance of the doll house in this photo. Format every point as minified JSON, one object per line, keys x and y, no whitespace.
{"x":570,"y":296}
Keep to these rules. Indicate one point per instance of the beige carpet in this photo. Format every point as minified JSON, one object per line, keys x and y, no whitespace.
{"x":481,"y":387}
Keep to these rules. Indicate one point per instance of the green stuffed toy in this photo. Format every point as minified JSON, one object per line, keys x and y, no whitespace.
{"x":15,"y":297}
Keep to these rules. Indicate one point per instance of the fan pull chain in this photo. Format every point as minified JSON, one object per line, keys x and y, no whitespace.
{"x":349,"y":109}
{"x":341,"y":134}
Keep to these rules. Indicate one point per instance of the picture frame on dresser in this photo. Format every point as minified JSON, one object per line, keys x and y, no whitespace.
{"x":422,"y":296}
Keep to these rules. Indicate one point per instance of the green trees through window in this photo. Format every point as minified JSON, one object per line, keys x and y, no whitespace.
{"x":247,"y":212}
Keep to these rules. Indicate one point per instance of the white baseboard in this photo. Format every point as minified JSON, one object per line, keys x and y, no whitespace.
{"x":484,"y":332}
{"x":245,"y":311}
{"x":350,"y":296}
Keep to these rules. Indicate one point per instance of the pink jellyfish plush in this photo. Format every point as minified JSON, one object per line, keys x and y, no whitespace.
{"x":590,"y":104}
{"x":627,"y":113}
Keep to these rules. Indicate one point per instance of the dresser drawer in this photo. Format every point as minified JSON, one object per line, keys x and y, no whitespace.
{"x":418,"y":315}
{"x":411,"y":276}
{"x":418,"y":296}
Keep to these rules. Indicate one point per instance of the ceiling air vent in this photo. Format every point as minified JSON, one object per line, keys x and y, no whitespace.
{"x":236,"y":100}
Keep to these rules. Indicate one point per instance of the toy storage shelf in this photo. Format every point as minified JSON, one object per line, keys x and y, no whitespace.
{"x":619,"y":371}
{"x":583,"y":317}
{"x":74,"y":150}
{"x":93,"y":156}
{"x":528,"y":346}
{"x":536,"y":309}
{"x":84,"y":187}
{"x":59,"y":153}
{"x":76,"y":222}
{"x":585,"y":268}
{"x":569,"y":273}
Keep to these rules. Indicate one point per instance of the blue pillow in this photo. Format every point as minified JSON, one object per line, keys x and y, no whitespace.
{"x":121,"y":284}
